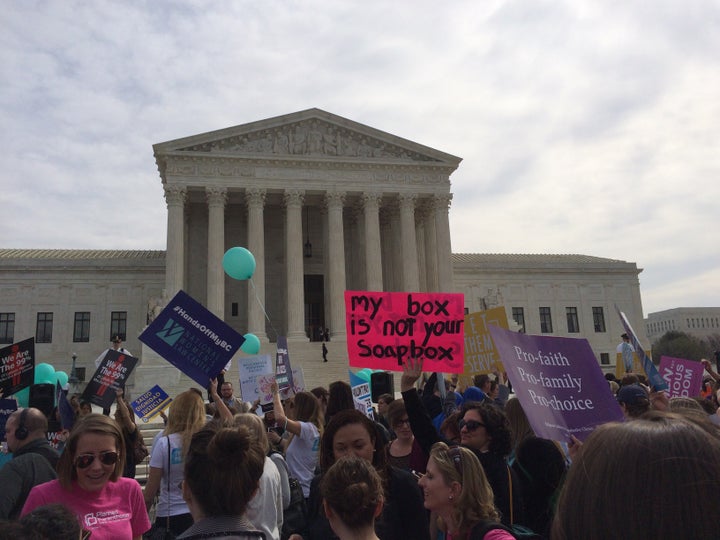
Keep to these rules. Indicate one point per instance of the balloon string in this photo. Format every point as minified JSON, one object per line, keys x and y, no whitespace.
{"x":263,"y":307}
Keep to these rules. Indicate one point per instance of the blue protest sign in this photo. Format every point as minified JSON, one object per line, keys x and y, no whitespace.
{"x":654,"y":378}
{"x":67,"y":414}
{"x":151,"y":403}
{"x":192,"y":339}
{"x":361,"y":395}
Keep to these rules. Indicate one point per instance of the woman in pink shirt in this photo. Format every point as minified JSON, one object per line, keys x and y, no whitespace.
{"x":91,"y":485}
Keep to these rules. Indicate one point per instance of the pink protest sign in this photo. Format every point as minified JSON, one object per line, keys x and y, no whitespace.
{"x":386,"y":328}
{"x":684,"y":377}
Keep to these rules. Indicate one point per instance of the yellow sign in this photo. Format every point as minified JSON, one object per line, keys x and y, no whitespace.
{"x":480,"y":353}
{"x":637,"y":365}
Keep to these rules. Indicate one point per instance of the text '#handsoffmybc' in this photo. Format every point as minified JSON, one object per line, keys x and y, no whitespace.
{"x":204,"y":329}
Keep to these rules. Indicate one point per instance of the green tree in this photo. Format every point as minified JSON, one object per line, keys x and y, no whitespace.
{"x":681,"y":345}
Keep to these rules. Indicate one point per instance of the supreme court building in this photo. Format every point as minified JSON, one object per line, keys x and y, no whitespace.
{"x":325,"y":205}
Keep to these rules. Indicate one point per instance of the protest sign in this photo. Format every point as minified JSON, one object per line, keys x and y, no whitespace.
{"x":684,"y":377}
{"x":256,"y":376}
{"x":620,"y":364}
{"x":192,"y":339}
{"x":283,"y":369}
{"x":384,"y":329}
{"x":67,"y":414}
{"x":361,"y":395}
{"x":17,"y":366}
{"x":480,"y":353}
{"x":151,"y":403}
{"x":559,"y":383}
{"x":111,"y":375}
{"x":7,"y":407}
{"x":653,"y":375}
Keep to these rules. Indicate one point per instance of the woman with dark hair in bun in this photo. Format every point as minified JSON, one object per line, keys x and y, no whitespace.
{"x":352,"y":498}
{"x":223,"y":467}
{"x":351,"y":433}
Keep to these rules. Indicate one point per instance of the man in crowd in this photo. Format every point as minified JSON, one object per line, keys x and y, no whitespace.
{"x":626,"y":350}
{"x":33,"y":463}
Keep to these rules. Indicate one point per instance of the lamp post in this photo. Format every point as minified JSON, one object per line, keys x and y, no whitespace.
{"x":73,"y":379}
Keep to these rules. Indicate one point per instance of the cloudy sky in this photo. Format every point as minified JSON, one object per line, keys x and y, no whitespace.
{"x":584,"y":126}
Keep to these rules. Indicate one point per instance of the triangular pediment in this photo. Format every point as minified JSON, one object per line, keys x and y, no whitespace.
{"x":309,"y":134}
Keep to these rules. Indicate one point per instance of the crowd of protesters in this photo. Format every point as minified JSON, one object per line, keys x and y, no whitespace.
{"x":459,"y":462}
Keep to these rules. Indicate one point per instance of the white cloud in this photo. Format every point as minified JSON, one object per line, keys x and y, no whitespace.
{"x":584,"y":127}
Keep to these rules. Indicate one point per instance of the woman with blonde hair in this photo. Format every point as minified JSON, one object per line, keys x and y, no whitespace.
{"x":186,"y":417}
{"x":457,"y":492}
{"x":91,"y":485}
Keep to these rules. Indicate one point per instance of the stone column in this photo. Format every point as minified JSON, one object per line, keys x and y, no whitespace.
{"x":255,"y":200}
{"x":373,"y":251}
{"x":175,"y":256}
{"x":410,"y":275}
{"x":216,"y":198}
{"x":431,"y":262}
{"x":442,"y":234}
{"x":336,"y":259}
{"x":420,"y":242}
{"x":293,"y":199}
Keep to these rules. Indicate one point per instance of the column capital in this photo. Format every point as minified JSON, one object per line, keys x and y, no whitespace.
{"x":407,"y":200}
{"x":293,"y":197}
{"x":442,"y":202}
{"x":334,"y":198}
{"x":216,"y":195}
{"x":371,"y":200}
{"x":255,"y":197}
{"x":175,"y":195}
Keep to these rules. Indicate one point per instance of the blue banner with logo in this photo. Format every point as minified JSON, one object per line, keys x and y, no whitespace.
{"x":192,"y":339}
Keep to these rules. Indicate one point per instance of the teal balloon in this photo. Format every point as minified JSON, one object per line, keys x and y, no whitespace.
{"x":44,"y":374}
{"x":238,"y":263}
{"x":23,"y":397}
{"x":364,"y":374}
{"x":251,"y":344}
{"x":62,"y":378}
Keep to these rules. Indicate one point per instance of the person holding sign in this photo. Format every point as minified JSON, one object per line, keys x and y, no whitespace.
{"x":116,"y":346}
{"x":186,"y":417}
{"x":484,"y":429}
{"x":304,"y":422}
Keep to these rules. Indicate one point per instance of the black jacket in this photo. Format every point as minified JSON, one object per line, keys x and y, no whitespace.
{"x":403,"y":516}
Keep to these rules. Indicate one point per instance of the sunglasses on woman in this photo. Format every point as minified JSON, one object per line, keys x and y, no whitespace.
{"x":106,"y":458}
{"x":471,"y":425}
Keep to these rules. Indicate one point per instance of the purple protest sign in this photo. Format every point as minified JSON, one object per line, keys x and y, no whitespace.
{"x":684,"y":377}
{"x":558,"y":382}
